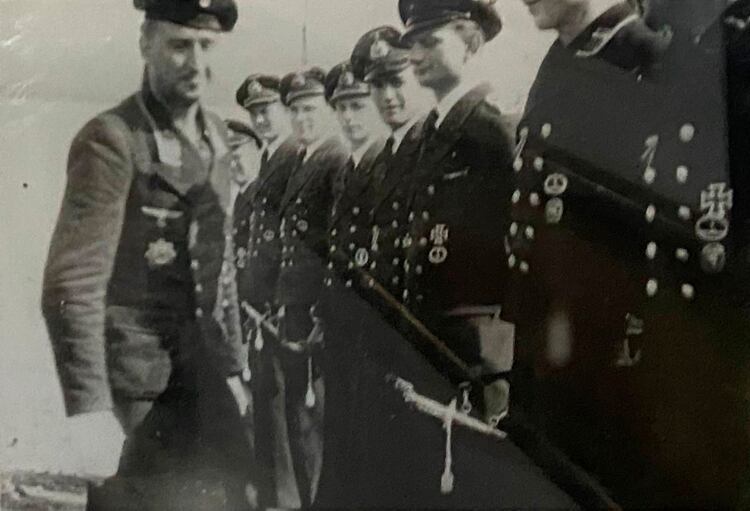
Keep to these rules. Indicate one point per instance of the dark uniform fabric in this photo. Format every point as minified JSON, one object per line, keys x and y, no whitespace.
{"x":305,"y":208}
{"x":343,"y":312}
{"x":355,"y":327}
{"x":454,"y":249}
{"x":304,"y":211}
{"x":389,"y":214}
{"x":257,"y":222}
{"x":618,"y":243}
{"x":139,"y":283}
{"x":258,"y":256}
{"x":404,"y":449}
{"x":396,"y":454}
{"x":455,"y":222}
{"x":737,"y":40}
{"x":349,"y":223}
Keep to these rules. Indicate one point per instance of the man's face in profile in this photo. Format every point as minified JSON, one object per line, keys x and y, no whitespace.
{"x":178,"y":60}
{"x":552,"y":14}
{"x":309,"y":118}
{"x":269,"y":120}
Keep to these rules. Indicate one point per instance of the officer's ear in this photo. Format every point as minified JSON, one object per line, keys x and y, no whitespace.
{"x":471,"y":34}
{"x":147,"y":32}
{"x":475,"y":42}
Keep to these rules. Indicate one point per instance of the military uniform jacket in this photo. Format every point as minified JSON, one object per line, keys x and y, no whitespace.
{"x":619,"y":233}
{"x":141,"y":251}
{"x":256,"y":227}
{"x":389,"y":214}
{"x":349,"y":224}
{"x":639,"y":200}
{"x":305,"y":209}
{"x":454,"y":248}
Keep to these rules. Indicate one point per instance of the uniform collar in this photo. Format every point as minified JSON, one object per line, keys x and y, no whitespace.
{"x":400,"y":133}
{"x":168,"y":138}
{"x":310,"y":149}
{"x":445,"y":105}
{"x":603,"y":29}
{"x":236,"y":190}
{"x":358,"y":154}
{"x":273,"y":146}
{"x":160,"y":114}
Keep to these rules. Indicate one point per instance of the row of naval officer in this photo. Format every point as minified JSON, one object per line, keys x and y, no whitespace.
{"x":420,"y":210}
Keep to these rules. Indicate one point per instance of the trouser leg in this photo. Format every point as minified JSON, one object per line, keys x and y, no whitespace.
{"x":303,"y":381}
{"x":191,"y":450}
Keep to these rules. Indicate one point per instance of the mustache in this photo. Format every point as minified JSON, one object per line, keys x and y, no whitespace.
{"x":194,"y":73}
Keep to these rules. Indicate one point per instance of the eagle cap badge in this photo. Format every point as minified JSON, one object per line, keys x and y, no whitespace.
{"x":347,"y":79}
{"x":380,"y":49}
{"x":298,"y":81}
{"x":254,"y":88}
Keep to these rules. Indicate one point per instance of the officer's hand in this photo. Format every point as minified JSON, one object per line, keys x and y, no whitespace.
{"x":316,"y":338}
{"x":311,"y":345}
{"x":496,"y":396}
{"x":496,"y":342}
{"x":97,"y":439}
{"x":241,"y":393}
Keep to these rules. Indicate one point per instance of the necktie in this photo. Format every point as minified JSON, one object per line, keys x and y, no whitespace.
{"x":383,"y":162}
{"x":264,"y":159}
{"x":389,"y":145}
{"x":429,"y":125}
{"x":349,"y":170}
{"x":301,"y":158}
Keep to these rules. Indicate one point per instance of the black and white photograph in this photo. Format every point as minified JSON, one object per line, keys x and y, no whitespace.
{"x":374,"y":254}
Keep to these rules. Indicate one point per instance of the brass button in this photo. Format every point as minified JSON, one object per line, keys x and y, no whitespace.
{"x":247,"y":375}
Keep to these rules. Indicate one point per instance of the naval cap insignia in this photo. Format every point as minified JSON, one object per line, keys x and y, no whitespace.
{"x":160,"y":253}
{"x":205,"y":4}
{"x":298,"y":81}
{"x":347,"y":79}
{"x":380,"y":49}
{"x":254,"y":88}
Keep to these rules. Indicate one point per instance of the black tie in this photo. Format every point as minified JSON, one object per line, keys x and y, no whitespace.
{"x":302,"y":156}
{"x":389,"y":146}
{"x":349,"y":171}
{"x":429,"y":130}
{"x":430,"y":125}
{"x":264,"y":158}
